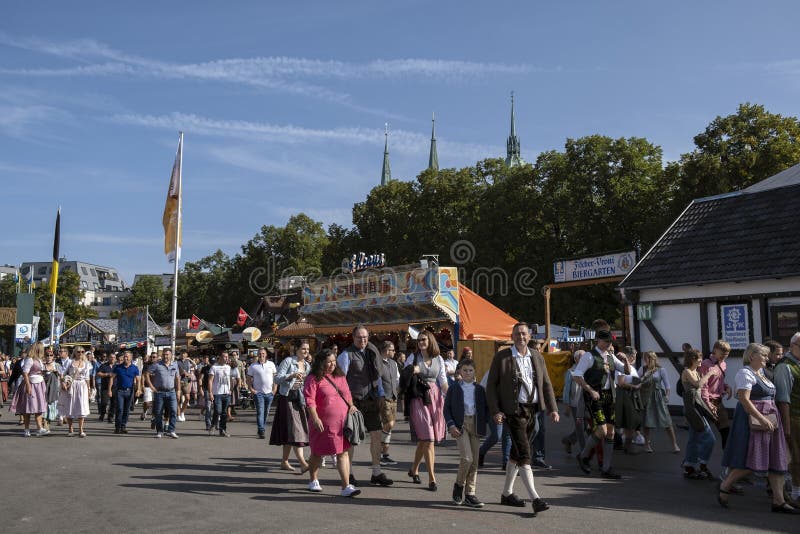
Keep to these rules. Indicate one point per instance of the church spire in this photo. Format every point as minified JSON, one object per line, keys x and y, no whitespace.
{"x":433,"y":159}
{"x":513,"y":158}
{"x":386,"y":173}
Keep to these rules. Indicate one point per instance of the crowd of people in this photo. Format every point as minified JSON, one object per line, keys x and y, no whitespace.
{"x":332,"y":402}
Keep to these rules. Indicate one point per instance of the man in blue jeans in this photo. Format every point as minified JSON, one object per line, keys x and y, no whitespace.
{"x":219,"y":392}
{"x":125,"y":381}
{"x":261,"y":383}
{"x":164,"y":379}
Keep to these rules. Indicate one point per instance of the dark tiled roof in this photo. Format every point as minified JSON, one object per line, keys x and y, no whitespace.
{"x":790,"y":176}
{"x":735,"y":237}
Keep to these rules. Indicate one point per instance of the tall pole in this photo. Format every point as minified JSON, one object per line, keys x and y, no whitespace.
{"x":177,"y":246}
{"x":53,"y":322}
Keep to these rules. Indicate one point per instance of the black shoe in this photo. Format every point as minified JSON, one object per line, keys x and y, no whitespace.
{"x":261,"y":434}
{"x":379,"y":480}
{"x":414,"y":478}
{"x":511,"y":500}
{"x":387,"y":460}
{"x":539,"y":505}
{"x":116,"y":430}
{"x":583,"y":463}
{"x":472,"y":501}
{"x":481,"y":458}
{"x":503,"y":466}
{"x":610,"y":475}
{"x":432,"y":486}
{"x":101,"y":418}
{"x":540,"y":464}
{"x":353,"y":481}
{"x":458,"y":494}
{"x":124,"y":429}
{"x":785,"y":508}
{"x":153,"y":425}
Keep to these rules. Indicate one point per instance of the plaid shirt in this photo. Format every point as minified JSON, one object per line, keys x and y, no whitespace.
{"x":715,"y":387}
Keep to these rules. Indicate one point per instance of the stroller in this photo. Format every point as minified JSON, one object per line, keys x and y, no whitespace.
{"x":246,"y":399}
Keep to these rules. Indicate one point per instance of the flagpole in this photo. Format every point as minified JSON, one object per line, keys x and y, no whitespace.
{"x":177,"y":246}
{"x":55,"y":290}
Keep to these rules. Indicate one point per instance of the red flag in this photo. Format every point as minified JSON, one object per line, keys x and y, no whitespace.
{"x":194,"y":322}
{"x":242,"y":318}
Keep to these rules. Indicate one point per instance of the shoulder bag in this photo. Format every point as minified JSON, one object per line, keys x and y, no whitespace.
{"x":355,"y":430}
{"x":755,"y":424}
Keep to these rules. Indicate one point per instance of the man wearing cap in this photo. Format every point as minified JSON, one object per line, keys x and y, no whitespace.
{"x":594,"y":373}
{"x":360,"y":364}
{"x":517,"y":388}
{"x":163,"y":377}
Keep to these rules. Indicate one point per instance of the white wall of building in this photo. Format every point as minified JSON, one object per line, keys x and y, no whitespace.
{"x":679,"y":323}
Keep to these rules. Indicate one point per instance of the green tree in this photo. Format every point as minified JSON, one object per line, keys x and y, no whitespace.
{"x":735,"y":152}
{"x":149,"y":291}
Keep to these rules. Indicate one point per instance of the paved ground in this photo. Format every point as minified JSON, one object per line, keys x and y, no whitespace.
{"x":130,"y":483}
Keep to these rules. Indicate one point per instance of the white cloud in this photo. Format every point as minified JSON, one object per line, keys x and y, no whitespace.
{"x":280,"y":73}
{"x":402,"y":141}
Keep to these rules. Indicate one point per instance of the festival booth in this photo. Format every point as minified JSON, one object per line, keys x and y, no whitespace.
{"x":395,"y":302}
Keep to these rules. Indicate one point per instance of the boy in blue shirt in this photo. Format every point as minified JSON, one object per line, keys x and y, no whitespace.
{"x":466,"y":413}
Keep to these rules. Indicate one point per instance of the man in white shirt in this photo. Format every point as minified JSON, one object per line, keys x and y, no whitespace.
{"x":595,"y":375}
{"x":219,"y":389}
{"x":517,"y":388}
{"x":261,"y":383}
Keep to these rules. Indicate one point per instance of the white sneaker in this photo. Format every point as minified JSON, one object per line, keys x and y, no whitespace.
{"x":27,"y":433}
{"x":182,"y":418}
{"x":323,"y":462}
{"x":314,"y":486}
{"x":639,"y":439}
{"x":350,"y":491}
{"x":173,"y":435}
{"x":159,"y":435}
{"x":42,"y":432}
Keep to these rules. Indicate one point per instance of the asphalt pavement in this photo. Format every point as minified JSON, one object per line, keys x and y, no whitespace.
{"x":200,"y":483}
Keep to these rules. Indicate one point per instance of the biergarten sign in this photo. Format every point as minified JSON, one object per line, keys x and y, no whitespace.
{"x":590,"y":268}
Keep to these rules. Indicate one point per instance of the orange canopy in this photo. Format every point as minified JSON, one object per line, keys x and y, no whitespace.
{"x":480,"y":319}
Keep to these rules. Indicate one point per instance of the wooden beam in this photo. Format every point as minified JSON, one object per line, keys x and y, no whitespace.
{"x":704,"y":338}
{"x":664,"y":345}
{"x":764,"y":311}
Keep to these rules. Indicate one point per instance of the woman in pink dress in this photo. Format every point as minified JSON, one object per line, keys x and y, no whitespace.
{"x":427,"y":418}
{"x":328,"y":402}
{"x":30,"y":398}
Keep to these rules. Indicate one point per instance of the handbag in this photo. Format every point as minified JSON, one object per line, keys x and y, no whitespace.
{"x":755,"y":424}
{"x":355,"y":430}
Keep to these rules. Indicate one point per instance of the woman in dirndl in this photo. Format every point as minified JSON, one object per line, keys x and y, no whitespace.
{"x":290,"y":425}
{"x":51,"y":371}
{"x":427,"y":419}
{"x":655,"y":392}
{"x":77,"y":386}
{"x":756,"y":442}
{"x":30,"y":397}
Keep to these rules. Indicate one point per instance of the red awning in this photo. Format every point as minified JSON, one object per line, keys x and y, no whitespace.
{"x":480,"y":319}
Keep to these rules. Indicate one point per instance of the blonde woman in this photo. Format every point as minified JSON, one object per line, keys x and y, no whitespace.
{"x":77,"y":384}
{"x":655,"y":392}
{"x":762,"y":449}
{"x":30,"y":398}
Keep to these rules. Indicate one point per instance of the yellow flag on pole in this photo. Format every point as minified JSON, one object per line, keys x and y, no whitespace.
{"x":172,"y":216}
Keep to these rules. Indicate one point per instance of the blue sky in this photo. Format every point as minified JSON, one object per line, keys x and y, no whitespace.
{"x":283,"y":104}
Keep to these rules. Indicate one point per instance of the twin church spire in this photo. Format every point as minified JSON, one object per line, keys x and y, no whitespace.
{"x":513,"y":158}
